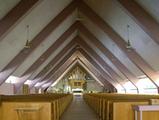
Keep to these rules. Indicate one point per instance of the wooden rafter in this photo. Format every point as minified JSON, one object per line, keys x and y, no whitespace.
{"x":51,"y":63}
{"x":46,"y":55}
{"x":46,"y":79}
{"x":54,"y":61}
{"x":98,"y":68}
{"x":142,"y":18}
{"x":61,"y":62}
{"x":56,"y":71}
{"x":95,"y":72}
{"x":14,"y":15}
{"x":18,"y":59}
{"x":106,"y":67}
{"x":131,"y":54}
{"x":122,"y":68}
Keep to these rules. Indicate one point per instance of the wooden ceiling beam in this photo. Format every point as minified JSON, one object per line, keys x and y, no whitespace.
{"x":44,"y":71}
{"x":22,"y":55}
{"x":25,"y":76}
{"x":142,"y":18}
{"x":54,"y":72}
{"x":95,"y":71}
{"x":7,"y":22}
{"x":121,"y":67}
{"x":105,"y":76}
{"x":114,"y":76}
{"x":98,"y":68}
{"x":55,"y":68}
{"x":91,"y":69}
{"x":131,"y":53}
{"x":59,"y":69}
{"x":58,"y":73}
{"x":54,"y":61}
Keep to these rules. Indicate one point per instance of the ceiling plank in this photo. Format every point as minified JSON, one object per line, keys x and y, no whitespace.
{"x":122,"y":68}
{"x":18,"y":59}
{"x":131,"y":53}
{"x":91,"y":52}
{"x":142,"y":18}
{"x":25,"y":76}
{"x":7,"y":22}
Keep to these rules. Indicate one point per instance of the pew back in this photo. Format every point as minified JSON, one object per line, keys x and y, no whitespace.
{"x":128,"y":114}
{"x":103,"y":104}
{"x":26,"y":110}
{"x":34,"y":107}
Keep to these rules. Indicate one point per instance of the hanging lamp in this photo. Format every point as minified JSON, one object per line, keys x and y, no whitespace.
{"x":128,"y":45}
{"x":28,"y":43}
{"x":78,"y":18}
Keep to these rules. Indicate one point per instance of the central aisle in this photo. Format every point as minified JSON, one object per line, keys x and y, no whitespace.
{"x":79,"y":110}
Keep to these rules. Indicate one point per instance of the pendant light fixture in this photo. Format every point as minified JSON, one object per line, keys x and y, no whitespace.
{"x":78,"y":18}
{"x":28,"y":43}
{"x":128,"y":45}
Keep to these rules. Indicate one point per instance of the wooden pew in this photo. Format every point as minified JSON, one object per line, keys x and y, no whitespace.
{"x":34,"y":107}
{"x":0,"y":107}
{"x":103,"y":104}
{"x":128,"y":114}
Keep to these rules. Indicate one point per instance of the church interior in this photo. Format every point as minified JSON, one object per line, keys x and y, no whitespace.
{"x":79,"y":59}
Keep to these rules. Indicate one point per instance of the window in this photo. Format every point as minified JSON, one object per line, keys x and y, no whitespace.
{"x":12,"y":80}
{"x":146,"y":86}
{"x":130,"y":88}
{"x":120,"y":89}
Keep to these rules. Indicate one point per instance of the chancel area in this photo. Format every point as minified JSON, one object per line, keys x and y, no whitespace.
{"x":79,"y":60}
{"x":77,"y":81}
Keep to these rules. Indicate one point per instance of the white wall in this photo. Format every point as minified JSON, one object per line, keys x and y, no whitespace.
{"x":33,"y":91}
{"x":7,"y":89}
{"x":92,"y":85}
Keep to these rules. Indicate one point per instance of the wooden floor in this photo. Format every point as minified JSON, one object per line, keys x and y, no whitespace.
{"x":79,"y":110}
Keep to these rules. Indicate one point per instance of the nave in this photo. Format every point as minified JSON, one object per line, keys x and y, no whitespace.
{"x":79,"y":110}
{"x":92,"y":106}
{"x":52,"y":51}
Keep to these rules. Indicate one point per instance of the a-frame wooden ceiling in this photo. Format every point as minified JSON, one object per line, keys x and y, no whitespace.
{"x":98,"y":40}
